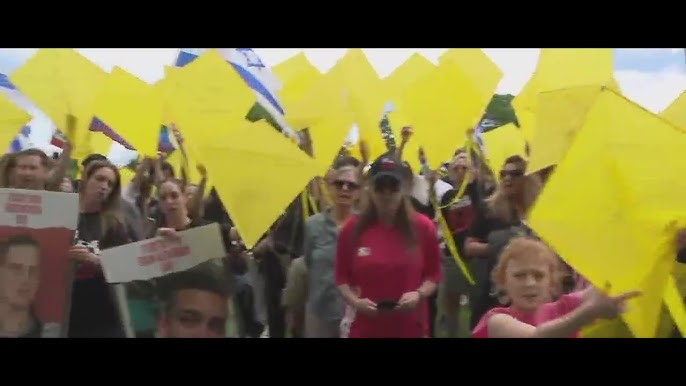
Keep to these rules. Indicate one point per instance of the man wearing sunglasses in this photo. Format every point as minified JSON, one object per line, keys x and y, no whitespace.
{"x":459,"y":213}
{"x":497,"y":221}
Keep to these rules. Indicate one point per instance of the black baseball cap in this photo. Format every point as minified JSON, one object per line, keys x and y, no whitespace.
{"x":387,"y":166}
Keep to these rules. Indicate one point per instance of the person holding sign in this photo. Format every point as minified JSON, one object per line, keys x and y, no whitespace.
{"x":20,"y":258}
{"x":458,"y":207}
{"x":387,"y":261}
{"x":94,"y":313}
{"x":527,"y":272}
{"x":176,"y":217}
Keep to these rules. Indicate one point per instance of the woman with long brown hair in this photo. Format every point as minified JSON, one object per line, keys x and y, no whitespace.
{"x":387,"y":260}
{"x":94,"y":312}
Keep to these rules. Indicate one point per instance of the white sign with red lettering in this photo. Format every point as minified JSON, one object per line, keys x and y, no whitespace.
{"x":160,"y":256}
{"x":38,"y":209}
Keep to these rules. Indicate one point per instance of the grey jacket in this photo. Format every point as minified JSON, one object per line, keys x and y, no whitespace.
{"x":319,"y":251}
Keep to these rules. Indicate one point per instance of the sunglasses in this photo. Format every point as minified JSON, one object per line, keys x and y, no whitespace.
{"x":511,"y":173}
{"x":339,"y":184}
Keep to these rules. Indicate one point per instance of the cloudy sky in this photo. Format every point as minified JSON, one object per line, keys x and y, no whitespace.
{"x":651,"y":77}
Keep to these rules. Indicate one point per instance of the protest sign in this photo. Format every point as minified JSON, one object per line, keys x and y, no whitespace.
{"x":36,"y":231}
{"x":176,"y":288}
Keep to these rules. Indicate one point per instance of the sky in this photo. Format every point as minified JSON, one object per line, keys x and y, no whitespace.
{"x":651,"y":77}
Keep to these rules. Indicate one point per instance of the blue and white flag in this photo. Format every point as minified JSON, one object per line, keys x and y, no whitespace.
{"x":22,"y":141}
{"x":255,"y":74}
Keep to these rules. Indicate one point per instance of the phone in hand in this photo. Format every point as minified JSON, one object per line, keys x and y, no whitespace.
{"x":386,"y":305}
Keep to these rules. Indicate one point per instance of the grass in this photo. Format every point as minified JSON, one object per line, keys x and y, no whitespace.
{"x":463,"y":316}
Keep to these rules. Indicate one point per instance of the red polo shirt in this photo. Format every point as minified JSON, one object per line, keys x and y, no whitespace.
{"x":380,"y":267}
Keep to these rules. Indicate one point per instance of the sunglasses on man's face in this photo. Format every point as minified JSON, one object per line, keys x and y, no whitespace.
{"x":511,"y":173}
{"x":340,"y":184}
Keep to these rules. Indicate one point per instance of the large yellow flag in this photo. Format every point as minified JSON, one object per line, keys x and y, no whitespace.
{"x":166,"y":89}
{"x":616,"y":229}
{"x":560,"y":115}
{"x":260,"y":158}
{"x":561,"y":68}
{"x":210,"y":100}
{"x":501,"y":143}
{"x":676,"y":111}
{"x":62,"y":82}
{"x":485,"y":74}
{"x":132,"y":108}
{"x":413,"y":69}
{"x":354,"y":82}
{"x":442,"y":107}
{"x":297,"y":75}
{"x":367,"y":98}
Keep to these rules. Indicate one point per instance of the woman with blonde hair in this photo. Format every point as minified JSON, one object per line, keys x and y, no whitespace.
{"x":527,"y":272}
{"x":387,"y":260}
{"x":324,"y":309}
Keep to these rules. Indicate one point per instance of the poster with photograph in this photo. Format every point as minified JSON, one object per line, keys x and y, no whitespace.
{"x":172,"y":288}
{"x":36,"y":231}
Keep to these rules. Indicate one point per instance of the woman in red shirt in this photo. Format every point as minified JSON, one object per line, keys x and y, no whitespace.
{"x":387,"y":261}
{"x":528,"y":272}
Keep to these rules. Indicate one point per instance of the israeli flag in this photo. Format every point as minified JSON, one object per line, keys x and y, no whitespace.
{"x":22,"y":141}
{"x":255,"y":74}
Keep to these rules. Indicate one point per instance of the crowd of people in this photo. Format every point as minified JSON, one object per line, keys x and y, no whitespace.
{"x":371,"y":260}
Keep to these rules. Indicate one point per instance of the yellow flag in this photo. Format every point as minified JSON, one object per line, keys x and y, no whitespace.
{"x":328,"y":136}
{"x":442,"y":107}
{"x":62,"y":82}
{"x":557,"y":69}
{"x":485,"y":74}
{"x":503,"y":142}
{"x":676,"y":111}
{"x":254,"y":151}
{"x":560,"y":115}
{"x":126,"y":175}
{"x":616,"y":230}
{"x":413,"y":69}
{"x":166,"y":88}
{"x":210,"y":99}
{"x":297,"y":75}
{"x":132,"y":108}
{"x":12,"y":118}
{"x":98,"y":143}
{"x":353,"y":82}
{"x":568,"y":67}
{"x":675,"y":304}
{"x":367,"y":97}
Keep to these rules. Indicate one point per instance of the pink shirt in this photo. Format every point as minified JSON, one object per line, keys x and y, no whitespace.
{"x":380,"y":267}
{"x":544,"y":313}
